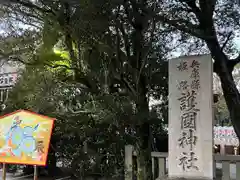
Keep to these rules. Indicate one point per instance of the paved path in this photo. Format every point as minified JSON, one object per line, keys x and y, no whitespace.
{"x":11,"y":177}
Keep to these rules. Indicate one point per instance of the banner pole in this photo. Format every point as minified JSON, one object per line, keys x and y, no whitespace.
{"x":35,"y":172}
{"x":4,"y":171}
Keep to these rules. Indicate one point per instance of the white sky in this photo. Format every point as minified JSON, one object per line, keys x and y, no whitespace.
{"x":237,"y":41}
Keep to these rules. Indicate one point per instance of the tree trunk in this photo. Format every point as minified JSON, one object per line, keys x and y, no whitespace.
{"x":51,"y":167}
{"x":144,"y":153}
{"x":52,"y":163}
{"x":145,"y":145}
{"x":230,"y":91}
{"x":232,"y":98}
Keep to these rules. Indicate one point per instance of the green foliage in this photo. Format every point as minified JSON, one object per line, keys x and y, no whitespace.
{"x":98,"y":120}
{"x":98,"y":85}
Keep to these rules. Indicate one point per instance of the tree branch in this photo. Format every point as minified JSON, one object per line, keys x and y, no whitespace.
{"x":184,"y":26}
{"x":147,"y":48}
{"x":233,"y":62}
{"x":32,"y":6}
{"x":207,"y":7}
{"x":125,"y":39}
{"x":227,"y":39}
{"x":129,"y":14}
{"x":129,"y":86}
{"x":180,"y":24}
{"x":194,"y":8}
{"x":125,"y":82}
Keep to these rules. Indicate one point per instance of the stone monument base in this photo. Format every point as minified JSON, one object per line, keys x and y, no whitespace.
{"x":167,"y":178}
{"x":190,"y":178}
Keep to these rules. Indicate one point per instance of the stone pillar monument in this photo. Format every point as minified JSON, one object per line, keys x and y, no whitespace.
{"x":191,"y":117}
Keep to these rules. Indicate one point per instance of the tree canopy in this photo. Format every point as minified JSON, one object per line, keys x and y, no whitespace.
{"x":97,"y":64}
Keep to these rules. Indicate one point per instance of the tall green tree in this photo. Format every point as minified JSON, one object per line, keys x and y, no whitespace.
{"x":113,"y":48}
{"x":210,"y":23}
{"x":82,"y":119}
